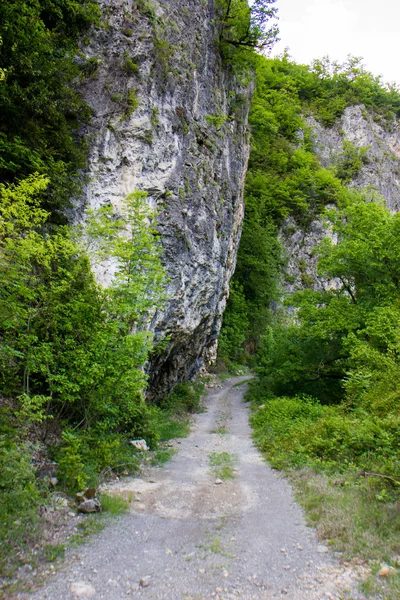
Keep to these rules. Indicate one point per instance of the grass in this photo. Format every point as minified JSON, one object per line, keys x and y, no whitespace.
{"x":114,"y":505}
{"x":349,"y":516}
{"x":163,"y":455}
{"x":90,"y":526}
{"x":222,"y":430}
{"x":324,"y":453}
{"x":222,"y":465}
{"x":173,"y":427}
{"x":53,"y":552}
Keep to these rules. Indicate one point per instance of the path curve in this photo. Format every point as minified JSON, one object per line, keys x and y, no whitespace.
{"x":188,"y":538}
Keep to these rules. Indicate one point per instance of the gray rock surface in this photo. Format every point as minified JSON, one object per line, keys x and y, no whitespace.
{"x":186,"y":537}
{"x":382,"y":171}
{"x":170,"y":120}
{"x":380,"y":174}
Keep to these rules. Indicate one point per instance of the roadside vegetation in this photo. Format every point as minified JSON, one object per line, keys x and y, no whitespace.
{"x":326,"y":406}
{"x":72,"y":353}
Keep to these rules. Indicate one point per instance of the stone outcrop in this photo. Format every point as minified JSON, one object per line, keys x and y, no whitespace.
{"x":381,"y":170}
{"x":171,"y":120}
{"x":379,"y":173}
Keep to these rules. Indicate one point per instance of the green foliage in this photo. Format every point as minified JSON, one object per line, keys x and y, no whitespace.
{"x":129,"y":65}
{"x":146,"y":8}
{"x":331,"y":86}
{"x":70,"y":463}
{"x":340,"y":440}
{"x":222,"y":464}
{"x":344,"y":340}
{"x":163,"y":53}
{"x":185,"y":397}
{"x":19,"y":494}
{"x":70,"y":350}
{"x":285,"y":178}
{"x":236,"y":323}
{"x":217,"y":120}
{"x":350,"y":161}
{"x":132,"y":103}
{"x":40,"y":111}
{"x":246,"y":26}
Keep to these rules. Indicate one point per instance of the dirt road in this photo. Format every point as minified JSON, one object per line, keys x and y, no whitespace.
{"x":187,"y":536}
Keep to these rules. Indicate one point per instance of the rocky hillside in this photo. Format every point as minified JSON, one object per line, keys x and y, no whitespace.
{"x":378,"y":145}
{"x":169,"y":119}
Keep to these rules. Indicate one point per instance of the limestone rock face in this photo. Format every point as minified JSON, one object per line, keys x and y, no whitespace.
{"x":380,"y":173}
{"x":382,"y":169}
{"x":170,"y":119}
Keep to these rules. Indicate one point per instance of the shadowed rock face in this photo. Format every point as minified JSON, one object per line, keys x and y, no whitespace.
{"x":185,"y":144}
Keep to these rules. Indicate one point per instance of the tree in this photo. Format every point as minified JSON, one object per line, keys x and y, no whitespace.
{"x":248,"y":26}
{"x":344,"y":342}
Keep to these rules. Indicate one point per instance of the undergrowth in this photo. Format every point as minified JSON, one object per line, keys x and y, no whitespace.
{"x":82,"y":460}
{"x":341,"y":463}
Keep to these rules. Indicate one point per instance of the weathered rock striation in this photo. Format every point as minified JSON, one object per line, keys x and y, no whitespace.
{"x":170,"y":119}
{"x":379,"y":173}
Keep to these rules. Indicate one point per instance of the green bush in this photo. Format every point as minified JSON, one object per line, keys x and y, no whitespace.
{"x":19,"y":497}
{"x":299,"y":431}
{"x":186,"y":397}
{"x":67,"y":347}
{"x":40,"y":111}
{"x":87,"y":456}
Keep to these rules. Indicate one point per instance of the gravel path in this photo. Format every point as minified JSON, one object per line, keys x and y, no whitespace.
{"x":188,"y":538}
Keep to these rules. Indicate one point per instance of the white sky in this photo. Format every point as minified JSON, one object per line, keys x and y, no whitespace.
{"x":315,"y":28}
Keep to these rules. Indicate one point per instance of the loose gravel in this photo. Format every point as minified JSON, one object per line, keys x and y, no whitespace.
{"x":187,"y":537}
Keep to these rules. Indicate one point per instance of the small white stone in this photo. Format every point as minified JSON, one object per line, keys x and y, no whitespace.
{"x":80,"y":589}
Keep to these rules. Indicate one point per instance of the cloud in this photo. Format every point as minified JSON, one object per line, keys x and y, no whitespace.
{"x":315,"y":28}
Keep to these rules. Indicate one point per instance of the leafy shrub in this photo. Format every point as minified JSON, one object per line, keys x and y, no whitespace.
{"x":41,"y":112}
{"x":19,"y":497}
{"x":299,"y":431}
{"x":71,"y":468}
{"x":186,"y":397}
{"x":69,"y":349}
{"x":350,"y":161}
{"x":129,"y":66}
{"x":85,"y":456}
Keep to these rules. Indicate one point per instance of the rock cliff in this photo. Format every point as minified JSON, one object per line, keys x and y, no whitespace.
{"x":170,"y":119}
{"x":380,"y":173}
